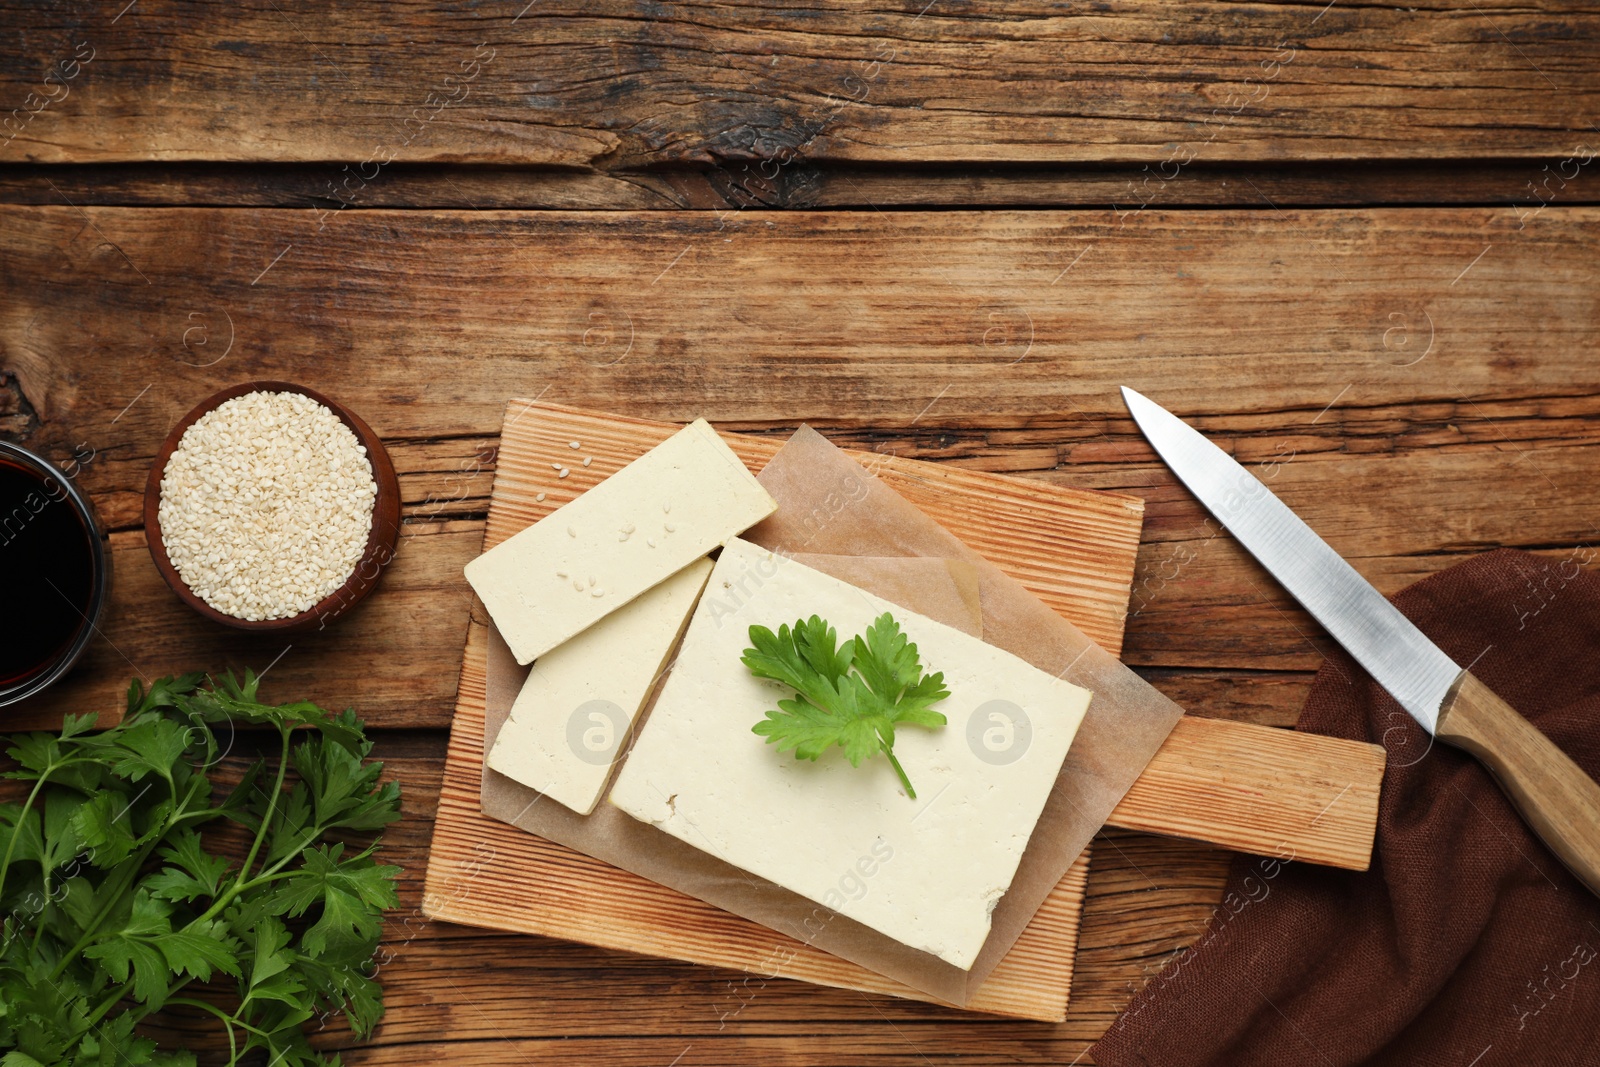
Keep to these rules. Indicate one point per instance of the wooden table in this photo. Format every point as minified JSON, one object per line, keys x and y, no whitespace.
{"x":1357,"y":245}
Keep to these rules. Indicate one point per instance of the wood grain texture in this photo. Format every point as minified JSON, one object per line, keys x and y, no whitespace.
{"x":810,"y":185}
{"x":1555,"y":795}
{"x":886,"y":320}
{"x":1280,"y":335}
{"x":1207,"y":626}
{"x":622,"y":84}
{"x":377,"y":658}
{"x":1272,"y":792}
{"x":1250,"y":323}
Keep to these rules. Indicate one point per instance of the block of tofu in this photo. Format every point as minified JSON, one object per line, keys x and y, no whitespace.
{"x":926,"y":872}
{"x":649,"y":520}
{"x":576,"y":709}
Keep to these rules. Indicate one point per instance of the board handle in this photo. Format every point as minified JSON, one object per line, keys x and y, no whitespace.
{"x":1556,"y":798}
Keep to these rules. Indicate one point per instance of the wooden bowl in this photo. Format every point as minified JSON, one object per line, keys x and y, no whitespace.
{"x":381,"y":539}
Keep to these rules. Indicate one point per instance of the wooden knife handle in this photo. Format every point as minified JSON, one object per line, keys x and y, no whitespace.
{"x":1554,"y":795}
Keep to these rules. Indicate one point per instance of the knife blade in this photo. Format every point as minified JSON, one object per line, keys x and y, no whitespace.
{"x":1557,"y":799}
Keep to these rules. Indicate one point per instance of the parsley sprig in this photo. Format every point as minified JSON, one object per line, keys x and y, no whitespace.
{"x":112,"y":906}
{"x":851,"y":695}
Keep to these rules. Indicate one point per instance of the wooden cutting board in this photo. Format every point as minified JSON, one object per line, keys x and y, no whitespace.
{"x":1242,"y":786}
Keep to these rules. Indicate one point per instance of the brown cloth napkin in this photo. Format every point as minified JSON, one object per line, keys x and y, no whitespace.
{"x":1466,"y":944}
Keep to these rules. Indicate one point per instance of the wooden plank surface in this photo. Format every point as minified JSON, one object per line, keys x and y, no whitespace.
{"x":1258,"y":347}
{"x":813,"y":185}
{"x":1269,"y":792}
{"x":1283,"y":336}
{"x":914,"y":324}
{"x":1292,"y":334}
{"x":613,"y":84}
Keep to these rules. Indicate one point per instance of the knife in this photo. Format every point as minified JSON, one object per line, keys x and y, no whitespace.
{"x":1556,"y":798}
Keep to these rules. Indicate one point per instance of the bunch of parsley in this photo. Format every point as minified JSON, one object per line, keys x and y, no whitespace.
{"x":112,"y":906}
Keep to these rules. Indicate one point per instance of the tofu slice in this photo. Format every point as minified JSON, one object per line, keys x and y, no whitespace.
{"x":926,"y":872}
{"x":576,"y":709}
{"x":588,"y":558}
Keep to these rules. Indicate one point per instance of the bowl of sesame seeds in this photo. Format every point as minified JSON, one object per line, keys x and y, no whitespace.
{"x":270,"y":507}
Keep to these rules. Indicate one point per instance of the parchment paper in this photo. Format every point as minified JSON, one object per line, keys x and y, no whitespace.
{"x":948,"y":590}
{"x":831,"y":506}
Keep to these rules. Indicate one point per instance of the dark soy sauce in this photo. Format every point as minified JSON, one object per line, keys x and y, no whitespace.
{"x":47,"y":572}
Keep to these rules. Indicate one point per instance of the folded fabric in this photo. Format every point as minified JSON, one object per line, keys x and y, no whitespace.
{"x":1466,"y":944}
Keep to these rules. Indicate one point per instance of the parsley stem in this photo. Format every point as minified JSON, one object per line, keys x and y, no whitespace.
{"x":139,"y":1011}
{"x":227,"y":1021}
{"x":901,"y":771}
{"x":125,"y":876}
{"x":219,"y":1013}
{"x":110,"y":1002}
{"x":27,"y":806}
{"x":268,"y":874}
{"x":243,"y":882}
{"x":39,"y":930}
{"x":272,"y":805}
{"x":126,"y":873}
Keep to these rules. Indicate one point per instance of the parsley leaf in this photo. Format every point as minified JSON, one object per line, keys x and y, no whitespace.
{"x":353,"y":894}
{"x":851,"y":695}
{"x":135,"y":946}
{"x":197,"y":874}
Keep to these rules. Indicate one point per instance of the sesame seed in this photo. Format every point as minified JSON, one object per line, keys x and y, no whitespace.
{"x":266,"y":505}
